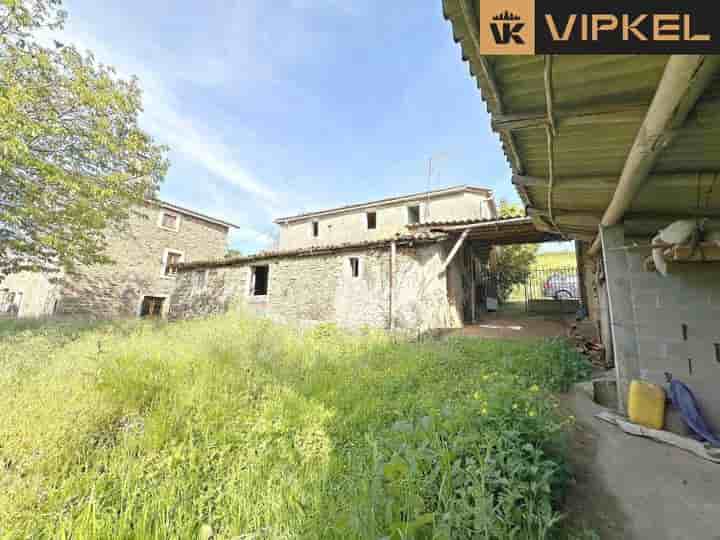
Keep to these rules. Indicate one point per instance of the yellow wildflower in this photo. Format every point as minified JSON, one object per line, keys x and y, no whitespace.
{"x":534,"y":388}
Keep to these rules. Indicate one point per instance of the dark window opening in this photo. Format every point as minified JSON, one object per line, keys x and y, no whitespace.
{"x":315,"y":229}
{"x":355,"y":267}
{"x":152,"y":306}
{"x":259,"y":284}
{"x":413,"y":214}
{"x":371,"y":220}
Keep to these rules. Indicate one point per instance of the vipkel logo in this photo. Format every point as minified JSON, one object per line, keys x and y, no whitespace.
{"x":512,"y":27}
{"x":506,"y":27}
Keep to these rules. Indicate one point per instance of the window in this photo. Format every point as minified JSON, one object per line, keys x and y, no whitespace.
{"x":354,"y":267}
{"x":315,"y":229}
{"x":371,"y":220}
{"x":169,"y":221}
{"x":152,"y":306}
{"x":413,"y":214}
{"x":170,"y":262}
{"x":259,"y":280}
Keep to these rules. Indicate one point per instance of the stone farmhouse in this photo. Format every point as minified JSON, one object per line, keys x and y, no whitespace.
{"x":396,"y":263}
{"x":157,"y":237}
{"x":377,"y":264}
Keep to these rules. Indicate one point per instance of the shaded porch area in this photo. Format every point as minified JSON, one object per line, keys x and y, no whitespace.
{"x":492,"y":290}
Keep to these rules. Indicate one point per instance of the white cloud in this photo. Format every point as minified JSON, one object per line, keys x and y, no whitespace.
{"x":164,"y":119}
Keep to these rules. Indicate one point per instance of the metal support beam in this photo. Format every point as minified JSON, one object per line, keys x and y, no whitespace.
{"x":684,"y":80}
{"x":454,"y":251}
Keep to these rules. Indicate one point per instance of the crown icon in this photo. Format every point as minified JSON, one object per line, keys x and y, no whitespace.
{"x":506,"y":16}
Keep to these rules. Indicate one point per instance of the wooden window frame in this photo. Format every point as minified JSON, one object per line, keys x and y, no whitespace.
{"x":162,"y":215}
{"x":163,"y":270}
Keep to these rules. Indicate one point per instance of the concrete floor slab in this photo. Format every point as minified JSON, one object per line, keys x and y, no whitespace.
{"x":630,"y":487}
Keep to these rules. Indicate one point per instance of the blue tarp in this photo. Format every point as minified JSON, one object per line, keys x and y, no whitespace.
{"x":683,"y":398}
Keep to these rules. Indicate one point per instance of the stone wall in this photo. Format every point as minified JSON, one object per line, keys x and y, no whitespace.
{"x":112,"y":290}
{"x":38,"y":293}
{"x":392,"y":219}
{"x":664,"y":324}
{"x":321,"y":288}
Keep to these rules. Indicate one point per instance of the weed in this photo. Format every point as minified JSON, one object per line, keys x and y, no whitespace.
{"x":231,"y":427}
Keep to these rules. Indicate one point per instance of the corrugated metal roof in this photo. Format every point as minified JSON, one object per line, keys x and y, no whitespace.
{"x":508,"y":230}
{"x":401,"y":240}
{"x":590,"y":149}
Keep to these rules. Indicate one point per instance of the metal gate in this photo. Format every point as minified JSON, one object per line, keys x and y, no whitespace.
{"x":551,"y":290}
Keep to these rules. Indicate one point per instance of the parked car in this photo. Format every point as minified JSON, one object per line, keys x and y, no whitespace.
{"x":561,"y":286}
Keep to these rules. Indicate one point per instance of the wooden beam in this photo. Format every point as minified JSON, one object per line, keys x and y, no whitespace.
{"x":576,"y":183}
{"x":454,"y":251}
{"x":680,"y":180}
{"x":592,"y":115}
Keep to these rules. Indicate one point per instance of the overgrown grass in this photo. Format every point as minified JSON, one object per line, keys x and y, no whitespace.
{"x":231,"y":427}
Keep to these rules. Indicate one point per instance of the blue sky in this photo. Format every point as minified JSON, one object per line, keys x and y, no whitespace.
{"x":273,"y":108}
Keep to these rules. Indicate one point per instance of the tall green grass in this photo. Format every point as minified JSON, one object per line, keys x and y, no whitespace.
{"x":238,"y":428}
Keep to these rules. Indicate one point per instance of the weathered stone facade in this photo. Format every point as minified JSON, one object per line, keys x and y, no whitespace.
{"x":321,"y":287}
{"x":140,"y":253}
{"x":350,"y":224}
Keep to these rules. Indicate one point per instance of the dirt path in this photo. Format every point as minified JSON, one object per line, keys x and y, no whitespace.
{"x":511,"y":326}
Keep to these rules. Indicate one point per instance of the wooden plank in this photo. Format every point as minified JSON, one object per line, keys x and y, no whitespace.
{"x":454,"y":251}
{"x":621,"y":311}
{"x":596,"y":115}
{"x":703,"y":252}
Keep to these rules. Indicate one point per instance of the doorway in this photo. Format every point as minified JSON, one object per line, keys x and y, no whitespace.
{"x":152,"y":306}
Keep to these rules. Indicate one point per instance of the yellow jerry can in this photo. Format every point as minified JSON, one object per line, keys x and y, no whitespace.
{"x":646,"y":404}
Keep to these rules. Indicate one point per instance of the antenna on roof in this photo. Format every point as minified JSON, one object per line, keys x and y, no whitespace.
{"x":442,"y":155}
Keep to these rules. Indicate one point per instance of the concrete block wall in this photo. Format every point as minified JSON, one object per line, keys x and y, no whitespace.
{"x":320,"y":288}
{"x":674,"y":322}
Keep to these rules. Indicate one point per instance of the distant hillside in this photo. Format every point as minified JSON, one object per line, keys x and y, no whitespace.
{"x":561,"y":259}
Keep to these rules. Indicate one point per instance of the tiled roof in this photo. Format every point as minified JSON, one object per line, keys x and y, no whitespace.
{"x":388,"y":200}
{"x":403,"y":240}
{"x":458,"y":222}
{"x":193,"y":213}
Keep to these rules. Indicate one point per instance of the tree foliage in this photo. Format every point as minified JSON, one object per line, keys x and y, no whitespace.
{"x":513,"y":262}
{"x":73,"y":161}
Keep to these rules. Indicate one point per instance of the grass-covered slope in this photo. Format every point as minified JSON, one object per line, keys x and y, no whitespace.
{"x":238,"y":428}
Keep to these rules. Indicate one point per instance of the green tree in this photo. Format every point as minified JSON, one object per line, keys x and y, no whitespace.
{"x":232,"y":253}
{"x":73,"y":161}
{"x":513,"y":262}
